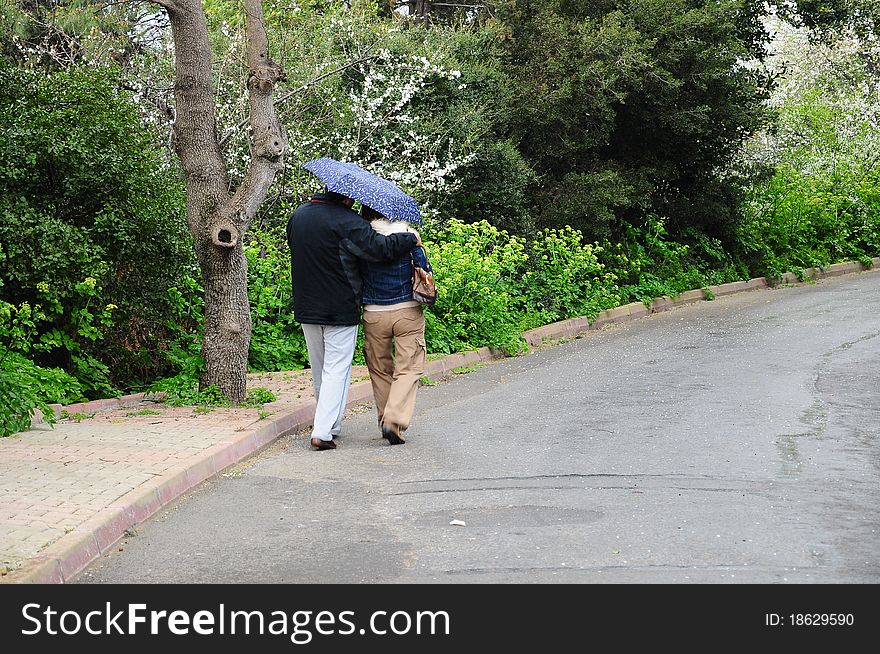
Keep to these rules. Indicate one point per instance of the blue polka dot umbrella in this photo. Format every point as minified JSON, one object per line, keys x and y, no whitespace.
{"x":353,"y":181}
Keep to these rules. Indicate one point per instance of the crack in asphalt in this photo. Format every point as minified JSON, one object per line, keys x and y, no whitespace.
{"x":591,"y":488}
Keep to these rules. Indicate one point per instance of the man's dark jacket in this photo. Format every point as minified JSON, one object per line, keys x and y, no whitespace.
{"x":326,"y":241}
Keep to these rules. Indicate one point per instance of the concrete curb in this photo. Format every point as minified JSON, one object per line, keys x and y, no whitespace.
{"x":67,"y":556}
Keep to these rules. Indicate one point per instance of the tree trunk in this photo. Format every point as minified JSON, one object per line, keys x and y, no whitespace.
{"x":418,"y":9}
{"x":217,"y":218}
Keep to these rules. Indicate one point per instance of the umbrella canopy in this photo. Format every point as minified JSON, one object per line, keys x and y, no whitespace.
{"x":353,"y":181}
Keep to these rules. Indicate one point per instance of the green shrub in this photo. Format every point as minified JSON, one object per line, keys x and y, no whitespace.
{"x":799,"y":219}
{"x":564,"y":277}
{"x":477,"y":268}
{"x":85,"y":194}
{"x":25,"y":387}
{"x":277,"y":342}
{"x":649,"y":263}
{"x":821,"y":204}
{"x":23,"y":328}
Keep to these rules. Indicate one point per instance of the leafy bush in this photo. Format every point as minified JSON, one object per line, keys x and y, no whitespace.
{"x":84,"y":194}
{"x":649,"y":263}
{"x":477,"y":267}
{"x":821,"y":204}
{"x":277,"y":342}
{"x":564,"y":277}
{"x":798,"y":220}
{"x":25,"y":387}
{"x":23,"y":329}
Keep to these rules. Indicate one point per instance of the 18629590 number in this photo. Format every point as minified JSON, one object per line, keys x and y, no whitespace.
{"x":820,"y":619}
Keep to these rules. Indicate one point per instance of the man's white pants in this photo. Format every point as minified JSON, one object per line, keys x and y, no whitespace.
{"x":331,"y":350}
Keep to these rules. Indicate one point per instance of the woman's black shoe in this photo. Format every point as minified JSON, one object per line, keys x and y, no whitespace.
{"x":391,"y":436}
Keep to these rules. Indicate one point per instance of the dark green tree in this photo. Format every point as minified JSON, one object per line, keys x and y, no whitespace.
{"x":825,"y":17}
{"x":633,"y":106}
{"x":85,"y":194}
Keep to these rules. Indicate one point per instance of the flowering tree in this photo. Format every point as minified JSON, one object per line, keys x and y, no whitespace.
{"x":827,"y":100}
{"x":364,"y":91}
{"x":821,"y":203}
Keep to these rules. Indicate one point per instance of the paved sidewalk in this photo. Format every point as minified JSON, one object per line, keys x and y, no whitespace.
{"x":69,"y":493}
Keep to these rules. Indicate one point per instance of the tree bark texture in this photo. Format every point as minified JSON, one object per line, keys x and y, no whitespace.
{"x":218,"y":218}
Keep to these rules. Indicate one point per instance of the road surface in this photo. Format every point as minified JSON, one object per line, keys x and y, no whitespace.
{"x":728,"y":441}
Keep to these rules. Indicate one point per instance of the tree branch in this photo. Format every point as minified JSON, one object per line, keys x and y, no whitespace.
{"x":170,"y":5}
{"x":233,"y":130}
{"x":268,"y":140}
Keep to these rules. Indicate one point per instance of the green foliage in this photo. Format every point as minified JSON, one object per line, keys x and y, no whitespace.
{"x":649,"y":264}
{"x":476,"y":267}
{"x":258,"y":396}
{"x":277,"y":342}
{"x":564,"y":277}
{"x":181,"y":394}
{"x":185,"y":327}
{"x":494,"y":187}
{"x":87,"y":206}
{"x":183,"y":388}
{"x":182,"y":391}
{"x":800,"y":220}
{"x":25,"y":387}
{"x":23,"y":329}
{"x":627,"y":107}
{"x":821,"y":204}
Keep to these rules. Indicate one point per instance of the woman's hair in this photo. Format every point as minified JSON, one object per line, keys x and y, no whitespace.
{"x":368,"y":213}
{"x":336,"y":197}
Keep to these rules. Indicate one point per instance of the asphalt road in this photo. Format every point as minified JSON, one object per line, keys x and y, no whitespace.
{"x":728,"y":441}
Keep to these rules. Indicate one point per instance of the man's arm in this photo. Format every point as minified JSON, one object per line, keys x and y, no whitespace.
{"x":420,"y":258}
{"x":366,"y":243}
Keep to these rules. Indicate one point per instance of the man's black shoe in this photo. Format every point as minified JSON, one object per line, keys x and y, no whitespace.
{"x":320,"y":444}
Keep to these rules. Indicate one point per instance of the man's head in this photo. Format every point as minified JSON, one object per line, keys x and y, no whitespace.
{"x":338,"y":197}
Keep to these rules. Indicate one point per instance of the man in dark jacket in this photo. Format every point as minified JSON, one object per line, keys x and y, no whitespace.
{"x":327,"y":239}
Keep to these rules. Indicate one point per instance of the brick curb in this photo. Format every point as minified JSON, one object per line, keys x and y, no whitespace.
{"x":70,"y":554}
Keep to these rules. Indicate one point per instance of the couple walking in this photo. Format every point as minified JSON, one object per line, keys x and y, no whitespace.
{"x":341,"y":263}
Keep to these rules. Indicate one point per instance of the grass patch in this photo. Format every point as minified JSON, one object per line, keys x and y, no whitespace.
{"x":77,"y":417}
{"x":143,"y":412}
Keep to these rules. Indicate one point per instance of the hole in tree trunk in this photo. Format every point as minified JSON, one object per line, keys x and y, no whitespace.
{"x":224,"y":235}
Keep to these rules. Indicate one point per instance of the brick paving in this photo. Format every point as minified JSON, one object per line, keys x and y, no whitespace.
{"x":55,"y":480}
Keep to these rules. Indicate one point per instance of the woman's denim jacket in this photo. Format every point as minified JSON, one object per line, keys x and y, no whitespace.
{"x":390,"y":282}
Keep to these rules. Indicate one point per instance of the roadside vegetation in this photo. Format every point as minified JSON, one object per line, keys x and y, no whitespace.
{"x":569,"y":157}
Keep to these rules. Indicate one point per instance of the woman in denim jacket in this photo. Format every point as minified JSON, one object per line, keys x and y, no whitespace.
{"x":394,"y":331}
